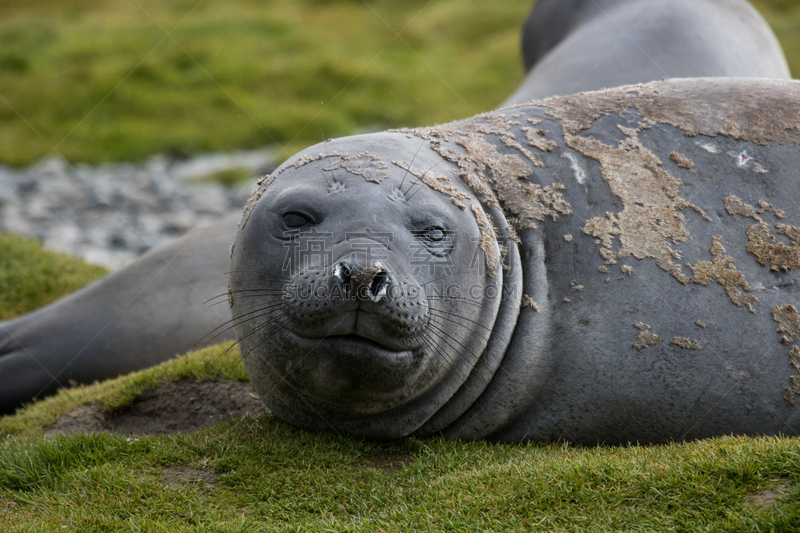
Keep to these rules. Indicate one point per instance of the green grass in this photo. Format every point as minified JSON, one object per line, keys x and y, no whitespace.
{"x":221,"y":361}
{"x":101,"y":80}
{"x":258,"y":474}
{"x":112,"y":80}
{"x":784,"y":18}
{"x":31,"y":277}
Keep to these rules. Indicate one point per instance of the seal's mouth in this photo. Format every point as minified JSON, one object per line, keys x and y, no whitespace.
{"x":357,"y":339}
{"x":349,"y":343}
{"x":349,"y":373}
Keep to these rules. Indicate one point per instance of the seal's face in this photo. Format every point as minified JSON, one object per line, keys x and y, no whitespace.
{"x":359,"y":294}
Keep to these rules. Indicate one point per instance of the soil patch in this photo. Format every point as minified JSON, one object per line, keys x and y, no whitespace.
{"x":387,"y":462}
{"x":186,"y":475}
{"x":180,"y":406}
{"x":769,"y":498}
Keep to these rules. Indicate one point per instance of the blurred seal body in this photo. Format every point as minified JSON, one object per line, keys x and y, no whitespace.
{"x":572,"y":46}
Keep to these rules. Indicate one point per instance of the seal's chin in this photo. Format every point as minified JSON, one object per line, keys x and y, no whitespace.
{"x":350,"y":371}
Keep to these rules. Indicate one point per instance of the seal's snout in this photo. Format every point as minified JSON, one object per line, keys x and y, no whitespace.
{"x":371,"y":283}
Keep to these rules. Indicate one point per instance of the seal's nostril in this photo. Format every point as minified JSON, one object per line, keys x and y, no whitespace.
{"x":370,"y":283}
{"x":343,"y":273}
{"x":378,"y":286}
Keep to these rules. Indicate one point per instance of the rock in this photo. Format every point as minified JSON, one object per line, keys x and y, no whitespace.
{"x":110,"y":214}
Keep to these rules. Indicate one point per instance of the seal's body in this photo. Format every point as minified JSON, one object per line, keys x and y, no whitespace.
{"x":488,"y":314}
{"x":618,"y":266}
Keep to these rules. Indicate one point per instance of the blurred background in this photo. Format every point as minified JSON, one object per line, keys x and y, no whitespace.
{"x":121,"y":80}
{"x":126,"y":122}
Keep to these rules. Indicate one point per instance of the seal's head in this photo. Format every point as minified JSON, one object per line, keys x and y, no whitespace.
{"x":364,"y":289}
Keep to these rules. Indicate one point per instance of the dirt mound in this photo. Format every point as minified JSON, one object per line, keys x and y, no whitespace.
{"x":181,"y":406}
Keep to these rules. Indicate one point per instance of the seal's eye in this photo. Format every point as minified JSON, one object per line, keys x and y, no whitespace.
{"x":435,"y":234}
{"x":295,"y":220}
{"x":436,"y":239}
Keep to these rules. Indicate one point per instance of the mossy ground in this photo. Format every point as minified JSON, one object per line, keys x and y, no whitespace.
{"x":60,"y":60}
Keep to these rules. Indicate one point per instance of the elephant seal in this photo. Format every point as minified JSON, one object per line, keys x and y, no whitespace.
{"x":153,"y":309}
{"x":572,"y":46}
{"x":608,"y":267}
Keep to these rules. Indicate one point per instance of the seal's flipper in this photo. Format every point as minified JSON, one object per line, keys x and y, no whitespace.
{"x":131,"y":319}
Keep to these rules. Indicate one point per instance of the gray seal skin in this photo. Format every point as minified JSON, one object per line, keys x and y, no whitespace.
{"x":637,"y":248}
{"x":147,"y":313}
{"x":572,"y":46}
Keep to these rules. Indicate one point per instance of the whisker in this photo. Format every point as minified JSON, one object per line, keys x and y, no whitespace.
{"x":230,"y":324}
{"x":266,"y":292}
{"x":455,"y":299}
{"x":439,"y":326}
{"x":445,"y":315}
{"x":447,"y":358}
{"x":318,"y":167}
{"x":400,"y":188}
{"x":222,"y":302}
{"x":421,"y":183}
{"x":266,"y":324}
